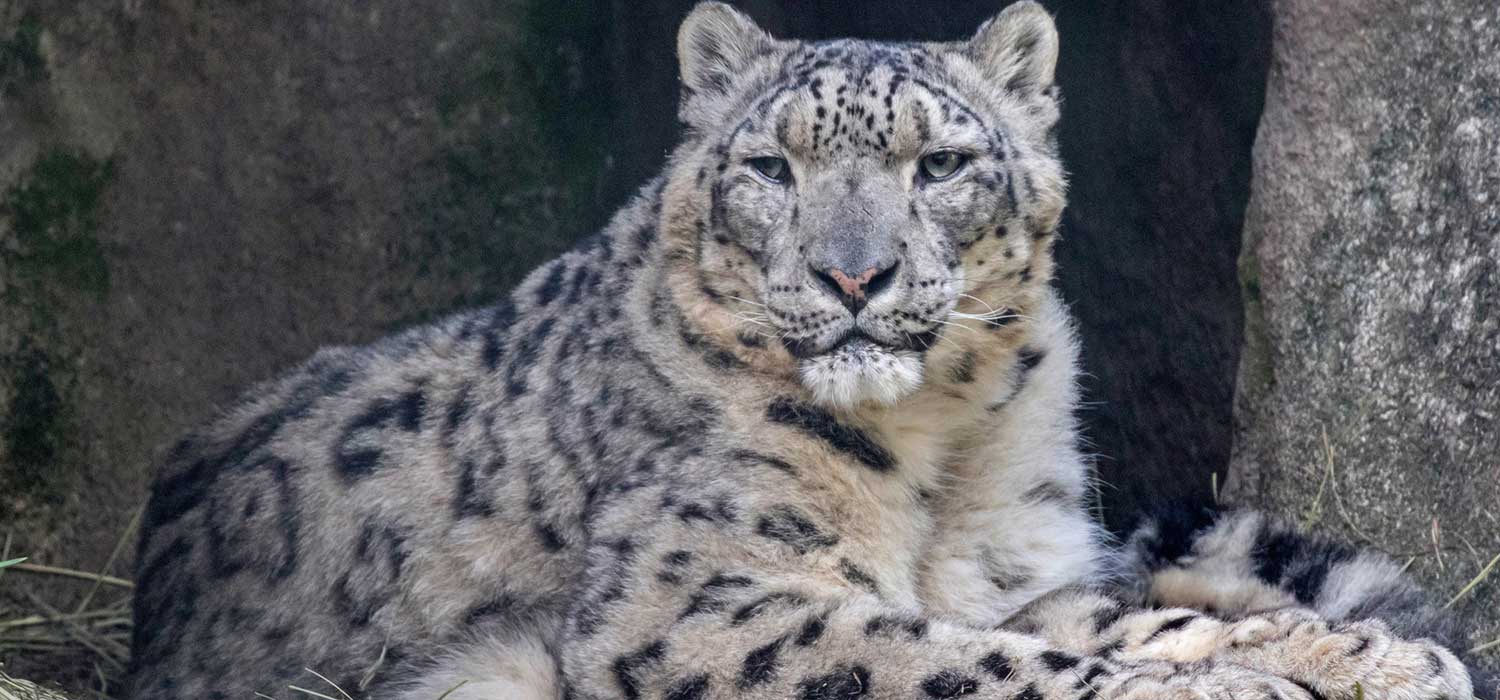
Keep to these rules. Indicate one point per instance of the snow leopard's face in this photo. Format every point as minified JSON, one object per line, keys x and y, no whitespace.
{"x":863,"y":195}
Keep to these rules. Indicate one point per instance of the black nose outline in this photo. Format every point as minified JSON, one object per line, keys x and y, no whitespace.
{"x":855,"y":292}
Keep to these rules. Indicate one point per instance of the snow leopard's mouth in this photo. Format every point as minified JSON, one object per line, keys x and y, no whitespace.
{"x":858,"y":368}
{"x":857,"y":340}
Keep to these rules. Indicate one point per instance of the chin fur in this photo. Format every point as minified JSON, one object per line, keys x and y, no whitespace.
{"x":852,"y":375}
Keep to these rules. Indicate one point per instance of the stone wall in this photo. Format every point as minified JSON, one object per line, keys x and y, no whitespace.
{"x":1369,"y":392}
{"x":189,"y":205}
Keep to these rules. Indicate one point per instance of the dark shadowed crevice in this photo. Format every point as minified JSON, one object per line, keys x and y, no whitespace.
{"x":1163,"y":100}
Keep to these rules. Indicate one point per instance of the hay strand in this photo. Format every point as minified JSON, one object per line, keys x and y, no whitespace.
{"x":70,"y":573}
{"x":114,"y":554}
{"x":17,"y":689}
{"x":1483,"y":574}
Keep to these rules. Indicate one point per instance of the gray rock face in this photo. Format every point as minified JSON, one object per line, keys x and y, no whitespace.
{"x":191,"y":199}
{"x":194,"y":196}
{"x":1369,"y":388}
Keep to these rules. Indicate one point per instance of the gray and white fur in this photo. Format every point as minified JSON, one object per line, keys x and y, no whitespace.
{"x":797,"y":424}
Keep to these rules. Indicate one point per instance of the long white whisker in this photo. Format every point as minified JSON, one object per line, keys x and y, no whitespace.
{"x":986,"y":304}
{"x":955,"y":325}
{"x":754,"y":322}
{"x":987,"y":318}
{"x":991,"y":316}
{"x":745,"y":301}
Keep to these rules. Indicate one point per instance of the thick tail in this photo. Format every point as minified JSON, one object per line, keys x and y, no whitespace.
{"x":1234,"y":563}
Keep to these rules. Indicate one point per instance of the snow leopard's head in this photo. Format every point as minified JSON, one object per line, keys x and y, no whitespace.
{"x":851,"y":200}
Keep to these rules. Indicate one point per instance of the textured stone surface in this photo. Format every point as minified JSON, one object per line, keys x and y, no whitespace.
{"x":1369,"y":392}
{"x":187,"y":206}
{"x":195,"y":195}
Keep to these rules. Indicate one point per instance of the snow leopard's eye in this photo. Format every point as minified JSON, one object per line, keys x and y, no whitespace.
{"x":772,"y":168}
{"x":941,"y":165}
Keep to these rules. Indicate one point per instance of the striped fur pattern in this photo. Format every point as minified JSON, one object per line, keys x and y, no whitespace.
{"x":688,"y":461}
{"x":1237,"y":564}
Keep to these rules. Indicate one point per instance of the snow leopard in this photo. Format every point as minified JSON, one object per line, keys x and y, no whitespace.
{"x":799,"y":423}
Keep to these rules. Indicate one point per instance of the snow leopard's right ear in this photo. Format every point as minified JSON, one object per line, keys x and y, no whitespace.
{"x":1018,"y":48}
{"x":714,"y":45}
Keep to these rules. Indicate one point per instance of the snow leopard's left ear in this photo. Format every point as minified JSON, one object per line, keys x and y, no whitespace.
{"x":1017,"y":48}
{"x":715,"y":44}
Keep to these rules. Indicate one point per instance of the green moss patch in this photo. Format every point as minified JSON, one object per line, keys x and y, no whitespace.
{"x":524,"y":186}
{"x":48,"y":219}
{"x":53,"y":212}
{"x":21,"y":61}
{"x":34,"y":428}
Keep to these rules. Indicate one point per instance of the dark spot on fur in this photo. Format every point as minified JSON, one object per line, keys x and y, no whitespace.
{"x":1087,"y":681}
{"x":1312,"y":693}
{"x":709,"y":596}
{"x":458,"y":412}
{"x":694,"y":688}
{"x":1175,"y":623}
{"x":749,"y":457}
{"x":1435,"y":662}
{"x":857,"y":576}
{"x":625,"y":667}
{"x":1107,"y":616}
{"x":493,"y":608}
{"x":811,"y":630}
{"x":949,"y":684}
{"x":1030,"y":358}
{"x":760,"y":664}
{"x":997,"y":665}
{"x":1049,"y":491}
{"x":791,"y":526}
{"x":755,"y":608}
{"x":1298,"y":563}
{"x":411,"y":406}
{"x":526,"y":356}
{"x":1056,"y":661}
{"x":467,"y":501}
{"x":551,"y":539}
{"x":821,"y":424}
{"x":551,"y":285}
{"x":962,"y":371}
{"x":885,"y":625}
{"x":356,"y":461}
{"x":848,"y":682}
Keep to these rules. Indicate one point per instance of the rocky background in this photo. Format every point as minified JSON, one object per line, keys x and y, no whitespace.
{"x":194,"y":195}
{"x":1369,"y":385}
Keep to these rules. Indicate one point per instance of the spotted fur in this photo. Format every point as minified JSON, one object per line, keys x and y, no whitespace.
{"x":1237,"y":564}
{"x":801,"y":432}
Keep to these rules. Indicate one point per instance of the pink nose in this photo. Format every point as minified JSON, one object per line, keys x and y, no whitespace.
{"x":853,"y":287}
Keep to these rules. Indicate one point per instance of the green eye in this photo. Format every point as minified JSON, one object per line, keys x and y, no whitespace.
{"x":771,"y":168}
{"x":940,"y":165}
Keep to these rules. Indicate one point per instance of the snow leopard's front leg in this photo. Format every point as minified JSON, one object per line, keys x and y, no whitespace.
{"x":1330,"y":658}
{"x":684,"y":611}
{"x":1012,"y":521}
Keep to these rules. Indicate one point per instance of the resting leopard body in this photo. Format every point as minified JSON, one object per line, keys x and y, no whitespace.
{"x":797,"y":424}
